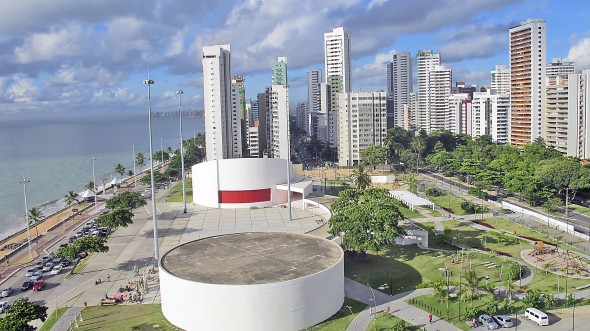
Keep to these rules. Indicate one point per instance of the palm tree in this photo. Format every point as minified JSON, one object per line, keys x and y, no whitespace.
{"x":472,"y":282}
{"x":89,"y":186}
{"x":35,"y":215}
{"x":71,"y":197}
{"x":361,"y":178}
{"x":120,"y":169}
{"x":418,"y":145}
{"x":139,"y":160}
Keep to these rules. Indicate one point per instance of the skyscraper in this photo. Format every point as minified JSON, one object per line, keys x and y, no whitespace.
{"x":312,"y":106}
{"x":399,"y":86}
{"x":279,"y":124}
{"x":337,"y":71}
{"x":558,"y":67}
{"x":222,"y":121}
{"x":490,"y":115}
{"x":527,"y":81}
{"x":439,"y":91}
{"x":500,"y":79}
{"x":426,"y":60}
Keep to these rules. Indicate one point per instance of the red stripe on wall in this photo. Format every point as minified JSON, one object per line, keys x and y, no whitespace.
{"x":244,"y":196}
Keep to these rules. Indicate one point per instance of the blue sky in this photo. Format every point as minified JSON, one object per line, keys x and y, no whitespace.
{"x":92,"y":55}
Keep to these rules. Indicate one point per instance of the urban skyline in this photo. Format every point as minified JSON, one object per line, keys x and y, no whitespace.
{"x":50,"y":63}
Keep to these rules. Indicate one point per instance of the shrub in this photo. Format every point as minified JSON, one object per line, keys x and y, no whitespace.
{"x":473,"y":208}
{"x":434,"y":191}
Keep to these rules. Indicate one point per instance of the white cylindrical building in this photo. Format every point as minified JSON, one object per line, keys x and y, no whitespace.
{"x":252,"y":281}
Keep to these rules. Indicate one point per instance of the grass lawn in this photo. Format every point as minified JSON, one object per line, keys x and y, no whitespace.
{"x":443,"y":202}
{"x":79,"y":267}
{"x":132,"y":317}
{"x":342,"y":318}
{"x":385,"y":321}
{"x":410,"y":213}
{"x":51,"y":319}
{"x":176,"y":192}
{"x":433,"y":239}
{"x":434,"y":213}
{"x":579,"y":209}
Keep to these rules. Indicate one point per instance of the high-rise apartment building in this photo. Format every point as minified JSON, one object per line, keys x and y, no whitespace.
{"x":399,"y":86}
{"x":222,"y":120}
{"x":239,"y":101}
{"x":500,"y":79}
{"x":490,"y":115}
{"x":337,"y":71}
{"x":558,"y":67}
{"x":239,"y":144}
{"x":426,"y":61}
{"x":567,"y":124}
{"x":459,"y":114}
{"x":263,"y":123}
{"x":312,"y":106}
{"x":362,"y":123}
{"x":279,"y":110}
{"x":527,"y":81}
{"x":439,"y":90}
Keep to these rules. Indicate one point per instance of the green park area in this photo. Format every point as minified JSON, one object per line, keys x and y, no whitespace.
{"x":175,"y":193}
{"x":385,"y":322}
{"x":342,"y":318}
{"x":126,"y":317}
{"x":444,"y":201}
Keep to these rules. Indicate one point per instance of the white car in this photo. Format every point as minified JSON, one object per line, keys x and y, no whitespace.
{"x":487,"y":321}
{"x":3,"y":306}
{"x":6,"y":292}
{"x":47,"y":267}
{"x":37,"y":275}
{"x":56,"y":270}
{"x":30,"y":272}
{"x":504,"y":321}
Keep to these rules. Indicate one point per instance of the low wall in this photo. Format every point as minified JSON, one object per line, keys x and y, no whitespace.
{"x":568,"y":228}
{"x":326,"y":213}
{"x":387,"y":179}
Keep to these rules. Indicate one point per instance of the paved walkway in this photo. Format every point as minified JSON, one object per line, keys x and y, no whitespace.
{"x":66,"y":319}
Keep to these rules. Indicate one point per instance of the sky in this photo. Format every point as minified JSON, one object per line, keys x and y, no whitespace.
{"x":91,"y":56}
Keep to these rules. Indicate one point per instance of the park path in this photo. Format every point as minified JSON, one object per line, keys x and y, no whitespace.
{"x":396,"y":304}
{"x":63,"y":324}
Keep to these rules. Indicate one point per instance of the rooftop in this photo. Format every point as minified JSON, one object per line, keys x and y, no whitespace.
{"x":251,"y":258}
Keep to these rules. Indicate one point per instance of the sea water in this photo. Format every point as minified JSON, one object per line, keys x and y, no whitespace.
{"x":54,"y":155}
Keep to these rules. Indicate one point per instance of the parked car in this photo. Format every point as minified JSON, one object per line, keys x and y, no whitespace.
{"x":82,"y":255}
{"x":6,"y":292}
{"x":39,"y":265}
{"x":536,"y":316}
{"x":64,"y":245}
{"x":56,"y":270}
{"x":65,"y":262}
{"x":48,"y":266}
{"x":487,"y":321}
{"x":37,"y":275}
{"x":508,"y":211}
{"x":39,"y":285}
{"x":46,"y":258}
{"x":30,"y":272}
{"x":72,"y":238}
{"x":56,"y":260}
{"x":27,"y":285}
{"x":3,"y":306}
{"x":504,"y":321}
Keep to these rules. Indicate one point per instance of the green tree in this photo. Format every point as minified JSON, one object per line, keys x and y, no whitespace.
{"x":139,"y":160}
{"x":361,"y":178}
{"x":84,"y":244}
{"x":472,"y":283}
{"x":566,"y":175}
{"x":20,"y":314}
{"x":120,"y":216}
{"x":71,"y":197}
{"x":89,"y":186}
{"x":369,"y":219}
{"x":158,"y":178}
{"x":35,"y":215}
{"x":129,"y":200}
{"x":552,"y":205}
{"x":374,"y":155}
{"x":120,"y":169}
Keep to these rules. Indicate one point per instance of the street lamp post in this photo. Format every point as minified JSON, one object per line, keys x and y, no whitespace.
{"x":351,"y":314}
{"x":94,"y":180}
{"x":162,"y":151}
{"x":149,"y":83}
{"x":374,"y":299}
{"x":179,"y":92}
{"x":134,"y":173}
{"x":24,"y":182}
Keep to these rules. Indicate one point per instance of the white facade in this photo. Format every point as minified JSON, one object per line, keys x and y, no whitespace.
{"x":500,"y":79}
{"x":558,"y":67}
{"x":294,"y":304}
{"x":253,"y":141}
{"x":490,"y":115}
{"x":439,"y":91}
{"x":362,"y":123}
{"x":313,"y":104}
{"x":459,"y":114}
{"x":399,"y":84}
{"x":527,"y":81}
{"x":337,"y":70}
{"x":280,"y":134}
{"x":426,"y":60}
{"x":219,"y":131}
{"x":236,"y":119}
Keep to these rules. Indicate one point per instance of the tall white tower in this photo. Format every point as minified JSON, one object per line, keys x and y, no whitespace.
{"x":337,"y":71}
{"x":312,"y":106}
{"x":279,"y":124}
{"x":399,"y":84}
{"x":527,"y":81}
{"x":439,"y":91}
{"x":222,"y":123}
{"x":426,"y":60}
{"x":500,"y":79}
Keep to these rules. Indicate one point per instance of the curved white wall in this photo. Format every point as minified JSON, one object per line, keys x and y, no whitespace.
{"x":235,"y":175}
{"x":291,"y":305}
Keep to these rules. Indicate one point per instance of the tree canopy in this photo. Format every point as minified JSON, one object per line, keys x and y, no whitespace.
{"x":374,"y":155}
{"x":129,"y":200}
{"x":119,"y":216}
{"x":19,"y":315}
{"x":368,"y":219}
{"x":85,"y":244}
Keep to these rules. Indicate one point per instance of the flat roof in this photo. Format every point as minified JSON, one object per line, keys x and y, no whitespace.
{"x":251,"y":258}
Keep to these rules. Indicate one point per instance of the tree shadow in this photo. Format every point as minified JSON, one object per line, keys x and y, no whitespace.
{"x":168,"y":232}
{"x":140,"y":263}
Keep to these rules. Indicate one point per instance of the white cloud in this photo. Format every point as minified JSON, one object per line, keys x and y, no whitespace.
{"x":376,"y":3}
{"x":373,"y":73}
{"x":580,"y":54}
{"x":22,"y":89}
{"x":67,"y":41}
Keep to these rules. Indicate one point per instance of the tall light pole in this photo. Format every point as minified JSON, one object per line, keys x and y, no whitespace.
{"x":162,"y":151}
{"x":374,"y":299}
{"x":24,"y":182}
{"x":134,"y":173}
{"x":94,"y":179}
{"x":289,"y":165}
{"x":149,"y":83}
{"x":179,"y":92}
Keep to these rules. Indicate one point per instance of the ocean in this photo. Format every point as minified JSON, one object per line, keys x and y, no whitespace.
{"x":54,"y":155}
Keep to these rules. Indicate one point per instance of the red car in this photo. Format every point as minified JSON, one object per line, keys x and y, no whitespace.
{"x":39,"y":285}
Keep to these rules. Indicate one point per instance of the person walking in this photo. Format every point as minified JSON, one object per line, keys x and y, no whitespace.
{"x":430,"y":318}
{"x":108,"y":277}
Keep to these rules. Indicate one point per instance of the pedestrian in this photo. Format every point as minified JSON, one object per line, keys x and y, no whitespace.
{"x":430,"y":318}
{"x":108,"y":277}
